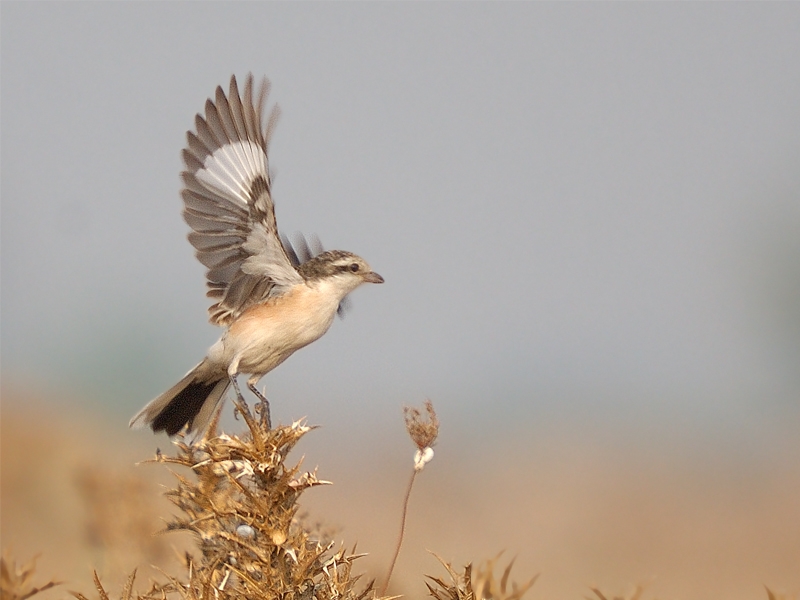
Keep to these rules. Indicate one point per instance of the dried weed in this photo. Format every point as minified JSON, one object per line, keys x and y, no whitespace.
{"x":16,"y":580}
{"x":240,"y":503}
{"x":480,"y":584}
{"x":238,"y":499}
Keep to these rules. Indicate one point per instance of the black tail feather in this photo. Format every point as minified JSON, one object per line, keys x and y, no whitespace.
{"x":183,"y":408}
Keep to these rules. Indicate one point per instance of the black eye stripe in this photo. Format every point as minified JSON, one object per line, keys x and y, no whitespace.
{"x":353,"y":267}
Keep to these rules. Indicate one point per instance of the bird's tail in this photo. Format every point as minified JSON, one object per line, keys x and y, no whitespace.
{"x":191,"y":402}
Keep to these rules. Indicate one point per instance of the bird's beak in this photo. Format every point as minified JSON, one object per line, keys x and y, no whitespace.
{"x":373,"y":277}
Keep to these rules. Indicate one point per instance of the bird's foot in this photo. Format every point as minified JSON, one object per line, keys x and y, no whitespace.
{"x":262,"y":408}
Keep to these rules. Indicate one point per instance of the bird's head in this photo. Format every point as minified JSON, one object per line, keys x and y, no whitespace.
{"x":346,"y":268}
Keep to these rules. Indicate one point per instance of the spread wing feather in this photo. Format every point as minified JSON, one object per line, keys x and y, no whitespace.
{"x":228,"y":203}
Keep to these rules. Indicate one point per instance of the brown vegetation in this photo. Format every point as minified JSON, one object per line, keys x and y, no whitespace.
{"x":241,"y":531}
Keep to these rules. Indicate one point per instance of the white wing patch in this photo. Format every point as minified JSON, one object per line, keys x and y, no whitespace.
{"x":228,"y":205}
{"x":231,"y":170}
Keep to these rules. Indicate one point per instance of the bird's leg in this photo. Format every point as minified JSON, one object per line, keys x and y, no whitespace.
{"x":263,"y":409}
{"x":235,"y":383}
{"x":239,"y":401}
{"x":241,"y":405}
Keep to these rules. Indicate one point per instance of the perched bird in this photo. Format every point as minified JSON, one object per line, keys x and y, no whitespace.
{"x":270,"y":302}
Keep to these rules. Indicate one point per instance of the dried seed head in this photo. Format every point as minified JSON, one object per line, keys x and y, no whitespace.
{"x":423,"y":430}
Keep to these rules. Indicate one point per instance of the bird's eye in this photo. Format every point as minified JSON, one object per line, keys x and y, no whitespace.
{"x":354,"y":267}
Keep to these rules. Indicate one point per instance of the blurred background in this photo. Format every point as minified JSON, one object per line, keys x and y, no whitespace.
{"x":588,"y":219}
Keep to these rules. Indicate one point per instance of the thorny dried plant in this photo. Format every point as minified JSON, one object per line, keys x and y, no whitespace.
{"x":126,"y":594}
{"x":241,"y":505}
{"x":16,"y":580}
{"x":480,"y":584}
{"x":240,"y":502}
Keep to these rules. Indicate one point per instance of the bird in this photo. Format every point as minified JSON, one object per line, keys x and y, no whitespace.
{"x":271,"y":298}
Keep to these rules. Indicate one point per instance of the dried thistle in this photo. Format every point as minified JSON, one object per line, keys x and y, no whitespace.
{"x":15,"y":580}
{"x":240,"y":503}
{"x":479,"y":585}
{"x":127,"y":589}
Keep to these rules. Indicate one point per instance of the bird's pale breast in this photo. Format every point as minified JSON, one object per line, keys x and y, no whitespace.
{"x":266,"y":334}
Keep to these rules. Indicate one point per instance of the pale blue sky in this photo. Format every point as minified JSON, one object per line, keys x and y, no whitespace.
{"x":587,"y":210}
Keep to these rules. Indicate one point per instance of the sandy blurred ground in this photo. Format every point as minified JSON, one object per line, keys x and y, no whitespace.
{"x":577,"y":515}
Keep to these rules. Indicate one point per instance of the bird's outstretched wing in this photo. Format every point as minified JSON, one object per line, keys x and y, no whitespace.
{"x":228,"y":204}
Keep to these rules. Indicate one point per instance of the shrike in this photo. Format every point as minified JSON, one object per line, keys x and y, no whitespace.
{"x":269,"y":301}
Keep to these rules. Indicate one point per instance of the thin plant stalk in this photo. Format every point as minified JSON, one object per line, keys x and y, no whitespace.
{"x":402,"y":531}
